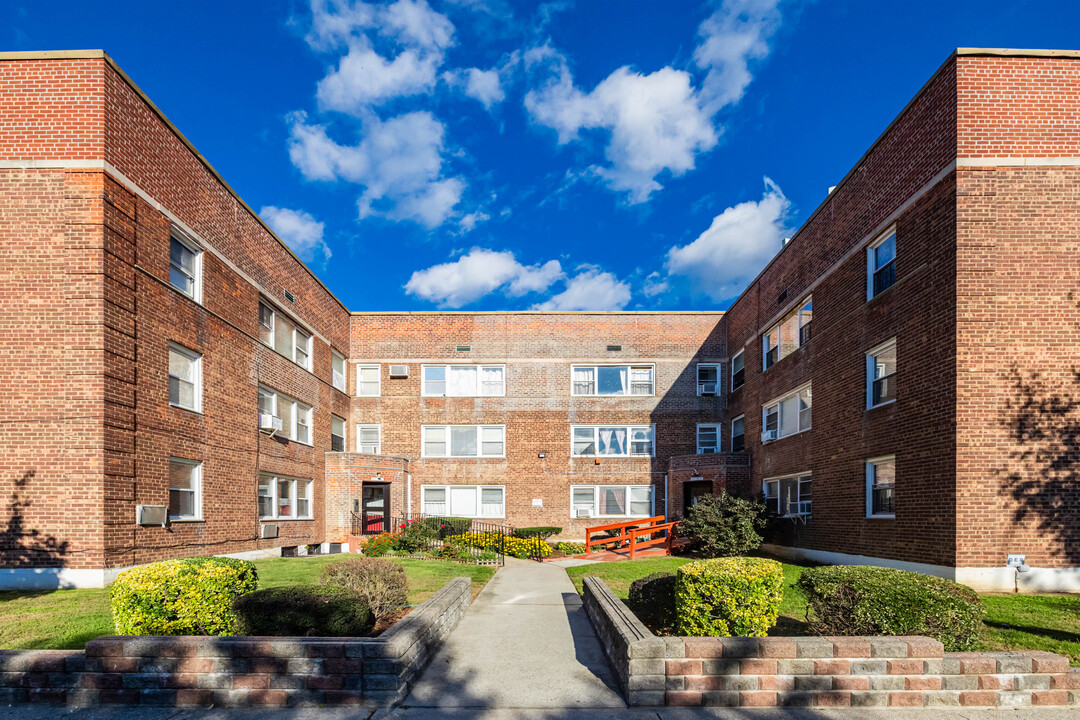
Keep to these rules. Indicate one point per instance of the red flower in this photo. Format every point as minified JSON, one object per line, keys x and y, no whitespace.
{"x":401,"y":525}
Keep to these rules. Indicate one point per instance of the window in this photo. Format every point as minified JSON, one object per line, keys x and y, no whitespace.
{"x":881,"y":265}
{"x":185,"y":489}
{"x":786,"y":416}
{"x":337,"y":434}
{"x":337,"y":365}
{"x":369,"y":439}
{"x":611,"y":501}
{"x":708,"y":379}
{"x":463,"y":441}
{"x":463,"y":380}
{"x":611,"y":380}
{"x":279,"y":332}
{"x":788,"y":335}
{"x":284,"y":498}
{"x":185,"y":267}
{"x":368,"y":380}
{"x":295,"y":416}
{"x":185,"y":378}
{"x":708,"y":439}
{"x":738,"y":371}
{"x":788,"y":496}
{"x":473,"y":501}
{"x":880,"y":480}
{"x":881,"y":375}
{"x":738,"y":434}
{"x":612,"y":440}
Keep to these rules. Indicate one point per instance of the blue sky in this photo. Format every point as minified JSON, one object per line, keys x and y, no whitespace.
{"x":487,"y":154}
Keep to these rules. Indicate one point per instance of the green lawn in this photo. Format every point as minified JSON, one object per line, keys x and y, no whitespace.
{"x":61,"y":619}
{"x":1013,"y":622}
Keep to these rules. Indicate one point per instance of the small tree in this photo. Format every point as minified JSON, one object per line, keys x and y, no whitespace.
{"x":721,"y":525}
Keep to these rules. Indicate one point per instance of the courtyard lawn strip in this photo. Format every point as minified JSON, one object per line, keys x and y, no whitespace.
{"x":67,"y":619}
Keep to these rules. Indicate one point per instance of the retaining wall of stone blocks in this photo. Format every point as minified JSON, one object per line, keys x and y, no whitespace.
{"x":239,"y":671}
{"x":817,"y":671}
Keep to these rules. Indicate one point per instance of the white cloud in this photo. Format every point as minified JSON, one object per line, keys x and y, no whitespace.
{"x":590,"y":289}
{"x":398,"y":161}
{"x":734,"y":35}
{"x":469,"y":221}
{"x":723,"y":260}
{"x":300,"y":231}
{"x":364,"y":78}
{"x":655,"y":285}
{"x":479,"y":273}
{"x":337,"y":23}
{"x":484,"y":86}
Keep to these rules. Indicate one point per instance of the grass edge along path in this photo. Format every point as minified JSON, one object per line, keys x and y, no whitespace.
{"x":67,"y":619}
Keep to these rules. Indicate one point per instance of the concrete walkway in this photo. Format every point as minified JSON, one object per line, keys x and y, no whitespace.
{"x":525,"y":642}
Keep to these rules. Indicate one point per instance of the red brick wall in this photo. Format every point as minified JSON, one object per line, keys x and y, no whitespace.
{"x":729,"y":472}
{"x":346,"y":474}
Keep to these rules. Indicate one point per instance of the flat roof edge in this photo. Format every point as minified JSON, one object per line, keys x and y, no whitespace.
{"x":1019,"y":52}
{"x":538,"y":312}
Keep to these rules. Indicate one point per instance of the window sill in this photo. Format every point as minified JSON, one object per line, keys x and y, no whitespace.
{"x":612,"y":457}
{"x":461,"y":457}
{"x":881,"y":405}
{"x":192,"y":298}
{"x":771,"y":442}
{"x":177,"y":520}
{"x":187,"y":409}
{"x":881,"y":517}
{"x":276,"y":520}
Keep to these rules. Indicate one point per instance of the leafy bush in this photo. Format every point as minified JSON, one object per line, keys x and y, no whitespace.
{"x":728,"y":596}
{"x":537,"y":532}
{"x":312,"y":610}
{"x":381,"y":583}
{"x":449,"y":525}
{"x":378,"y":545}
{"x":517,"y":547}
{"x":190,"y":596}
{"x":863,"y":600}
{"x":571,"y":548}
{"x":415,"y":536}
{"x":653,"y":597}
{"x":722,"y":525}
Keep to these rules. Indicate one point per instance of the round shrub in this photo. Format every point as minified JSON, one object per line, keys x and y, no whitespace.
{"x":737,"y":596}
{"x":722,"y":525}
{"x":571,"y":548}
{"x":382,"y":583}
{"x":864,"y":600}
{"x":310,"y":610}
{"x":189,"y":596}
{"x":653,"y":597}
{"x":537,"y":532}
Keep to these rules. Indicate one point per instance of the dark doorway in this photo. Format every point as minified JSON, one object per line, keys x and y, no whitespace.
{"x":375,"y":508}
{"x":693,"y":491}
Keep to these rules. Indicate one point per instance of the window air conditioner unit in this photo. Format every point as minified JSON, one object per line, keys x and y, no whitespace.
{"x":582,"y":513}
{"x":399,"y":371}
{"x":269,"y":422}
{"x":151,"y":515}
{"x":707,"y":389}
{"x":804,"y":507}
{"x":768,"y":436}
{"x":267,"y":532}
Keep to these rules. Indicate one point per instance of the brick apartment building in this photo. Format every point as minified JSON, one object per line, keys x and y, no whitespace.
{"x":901,"y":381}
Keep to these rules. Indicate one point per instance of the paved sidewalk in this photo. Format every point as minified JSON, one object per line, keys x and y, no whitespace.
{"x":525,"y":642}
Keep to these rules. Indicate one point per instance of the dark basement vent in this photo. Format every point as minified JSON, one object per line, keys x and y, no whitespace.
{"x":464,"y":348}
{"x":290,"y":297}
{"x":614,"y":348}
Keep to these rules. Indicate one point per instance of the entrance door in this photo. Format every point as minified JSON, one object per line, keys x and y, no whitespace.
{"x":694,"y":491}
{"x":375,"y":508}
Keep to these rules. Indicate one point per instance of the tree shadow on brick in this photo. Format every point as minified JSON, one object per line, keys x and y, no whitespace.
{"x":27,"y":547}
{"x":1043,"y":475}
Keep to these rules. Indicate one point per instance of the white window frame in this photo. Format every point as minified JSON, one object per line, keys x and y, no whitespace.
{"x":298,"y":332}
{"x":870,"y":269}
{"x":870,"y":465}
{"x":734,"y":357}
{"x":360,"y":383}
{"x":449,"y":445}
{"x":195,"y":468}
{"x":479,"y":379}
{"x":778,"y":403}
{"x":360,"y":445}
{"x":594,"y":511}
{"x":803,"y":508}
{"x":629,"y":428}
{"x":197,"y":281}
{"x":344,"y":433}
{"x":338,"y":380}
{"x":716,"y":366}
{"x":290,"y":433}
{"x":871,"y":367}
{"x":733,"y":436}
{"x":719,"y":447}
{"x":629,"y":381}
{"x":196,"y":372}
{"x":800,"y":323}
{"x":275,"y":496}
{"x":479,"y":500}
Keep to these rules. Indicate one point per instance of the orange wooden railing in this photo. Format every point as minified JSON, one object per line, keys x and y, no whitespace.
{"x":629,"y":532}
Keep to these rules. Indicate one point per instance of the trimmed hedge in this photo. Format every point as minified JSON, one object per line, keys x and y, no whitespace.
{"x":863,"y":600}
{"x":382,"y":583}
{"x":723,"y":525}
{"x":543,"y":532}
{"x":309,"y":610}
{"x":653,"y":596}
{"x":189,"y":596}
{"x":726,"y":597}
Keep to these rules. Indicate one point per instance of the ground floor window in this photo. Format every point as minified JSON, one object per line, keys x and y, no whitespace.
{"x":788,"y":496}
{"x":880,"y":481}
{"x":185,"y":489}
{"x":472,"y":501}
{"x":611,"y":501}
{"x":284,"y":498}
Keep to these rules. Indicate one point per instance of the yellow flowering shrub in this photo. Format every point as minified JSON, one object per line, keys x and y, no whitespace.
{"x":732,"y":596}
{"x":514,"y":546}
{"x":191,"y":596}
